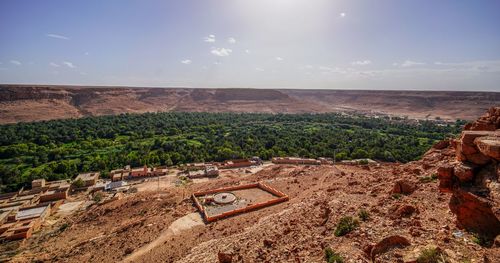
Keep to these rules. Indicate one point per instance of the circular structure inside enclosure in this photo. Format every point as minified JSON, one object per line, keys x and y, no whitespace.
{"x":224,"y":198}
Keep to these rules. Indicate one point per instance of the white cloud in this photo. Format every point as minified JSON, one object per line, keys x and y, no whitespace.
{"x":408,"y":63}
{"x":209,"y":39}
{"x":54,"y":65}
{"x":342,"y":14}
{"x":87,"y":53}
{"x":69,"y":64}
{"x":259,"y":69}
{"x":16,"y":62}
{"x":83,"y":73}
{"x":57,"y":36}
{"x":247,"y":51}
{"x":217,"y":63}
{"x":308,"y":66}
{"x":221,"y":52}
{"x":471,"y":66}
{"x":231,"y":40}
{"x":361,"y":62}
{"x":279,"y":58}
{"x":186,"y":61}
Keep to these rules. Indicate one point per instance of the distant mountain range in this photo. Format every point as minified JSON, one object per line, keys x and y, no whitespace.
{"x":24,"y":103}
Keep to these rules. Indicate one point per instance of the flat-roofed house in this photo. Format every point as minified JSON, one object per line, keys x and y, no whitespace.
{"x":88,"y":179}
{"x":37,"y":183}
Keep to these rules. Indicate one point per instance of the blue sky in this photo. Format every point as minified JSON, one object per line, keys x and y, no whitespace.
{"x":317,"y":44}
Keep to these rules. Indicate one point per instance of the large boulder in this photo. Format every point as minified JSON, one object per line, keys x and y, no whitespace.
{"x":464,"y":172}
{"x":403,"y":187}
{"x":468,"y":150}
{"x":475,"y":213}
{"x":489,"y":146}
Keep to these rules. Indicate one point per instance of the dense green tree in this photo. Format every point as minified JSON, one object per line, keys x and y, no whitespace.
{"x":62,"y":148}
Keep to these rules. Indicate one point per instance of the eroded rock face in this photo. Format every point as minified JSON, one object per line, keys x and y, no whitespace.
{"x":474,"y":179}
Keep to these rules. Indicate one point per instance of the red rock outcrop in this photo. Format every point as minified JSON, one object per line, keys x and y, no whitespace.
{"x":488,"y":122}
{"x":474,"y":179}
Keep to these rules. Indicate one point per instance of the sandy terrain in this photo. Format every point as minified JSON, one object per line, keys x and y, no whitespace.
{"x":20,"y":103}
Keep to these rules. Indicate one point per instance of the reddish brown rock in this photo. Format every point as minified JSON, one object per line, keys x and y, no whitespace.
{"x":478,"y":158}
{"x":488,"y":122}
{"x":466,"y":148}
{"x":445,"y":176}
{"x":225,"y":257}
{"x":468,"y":137}
{"x":403,"y":187}
{"x":489,"y":146}
{"x":474,"y":213}
{"x":405,"y":211}
{"x":388,"y":243}
{"x":464,"y":172}
{"x":441,"y":144}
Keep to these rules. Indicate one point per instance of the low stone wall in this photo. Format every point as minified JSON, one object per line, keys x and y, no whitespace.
{"x":281,"y":198}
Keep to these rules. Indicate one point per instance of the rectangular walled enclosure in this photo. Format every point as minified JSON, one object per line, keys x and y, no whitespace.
{"x":281,"y":198}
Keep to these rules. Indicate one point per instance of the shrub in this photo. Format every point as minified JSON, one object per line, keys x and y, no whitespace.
{"x":363,"y":214}
{"x":431,"y":255}
{"x":63,"y":227}
{"x":346,"y":225}
{"x":333,"y":257}
{"x":481,"y":240}
{"x":396,"y":196}
{"x":428,"y":179}
{"x":363,"y":162}
{"x":78,"y":183}
{"x":98,"y":197}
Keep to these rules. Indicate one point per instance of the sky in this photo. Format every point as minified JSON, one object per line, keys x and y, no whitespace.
{"x":307,"y":44}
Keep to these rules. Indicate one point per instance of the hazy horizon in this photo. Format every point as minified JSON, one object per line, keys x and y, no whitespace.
{"x":280,"y":44}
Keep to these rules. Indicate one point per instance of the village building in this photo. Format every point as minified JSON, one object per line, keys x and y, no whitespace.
{"x":88,"y":179}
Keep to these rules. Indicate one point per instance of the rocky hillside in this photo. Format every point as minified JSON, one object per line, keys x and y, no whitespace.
{"x":34,"y":103}
{"x":386,"y":212}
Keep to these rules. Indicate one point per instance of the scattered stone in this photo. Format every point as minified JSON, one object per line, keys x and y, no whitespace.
{"x":403,"y":187}
{"x":268,"y":243}
{"x":225,"y":257}
{"x":388,"y":243}
{"x":405,"y":211}
{"x":129,"y":250}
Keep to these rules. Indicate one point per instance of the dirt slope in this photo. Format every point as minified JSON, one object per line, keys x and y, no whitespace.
{"x":21,"y":103}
